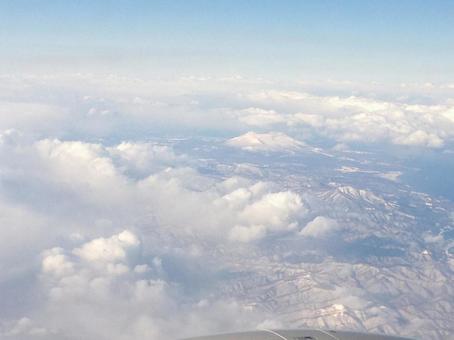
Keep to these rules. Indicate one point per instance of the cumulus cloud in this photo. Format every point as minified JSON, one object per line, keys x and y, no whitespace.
{"x":116,"y":248}
{"x":141,"y":159}
{"x":86,"y":282}
{"x":233,"y":203}
{"x":273,"y":212}
{"x":271,"y":141}
{"x":24,"y":328}
{"x":104,"y":181}
{"x":319,"y":227}
{"x":93,"y":291}
{"x":362,"y":119}
{"x":420,"y":137}
{"x":255,"y":116}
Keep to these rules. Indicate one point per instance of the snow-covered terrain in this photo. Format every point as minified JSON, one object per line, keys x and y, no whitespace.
{"x":366,"y":257}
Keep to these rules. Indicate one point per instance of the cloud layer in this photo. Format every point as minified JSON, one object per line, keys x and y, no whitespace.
{"x":407,"y":114}
{"x":79,"y":197}
{"x":105,"y":288}
{"x":125,"y":201}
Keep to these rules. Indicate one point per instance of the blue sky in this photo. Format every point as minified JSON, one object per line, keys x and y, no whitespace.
{"x":373,"y":40}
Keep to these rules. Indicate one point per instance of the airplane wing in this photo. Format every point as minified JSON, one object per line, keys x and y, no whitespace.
{"x":300,"y":334}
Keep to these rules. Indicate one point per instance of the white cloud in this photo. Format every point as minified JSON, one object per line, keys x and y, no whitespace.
{"x":32,"y":116}
{"x":247,"y":233}
{"x":85,"y":298}
{"x":254,"y":116}
{"x":113,"y":249}
{"x":449,"y":114}
{"x":274,"y":212}
{"x":24,"y":328}
{"x":215,"y":210}
{"x":319,"y":227}
{"x":102,"y":181}
{"x":121,"y":106}
{"x":143,"y":158}
{"x":274,"y":209}
{"x":272,"y":141}
{"x":55,"y":262}
{"x":421,"y":138}
{"x":362,"y":119}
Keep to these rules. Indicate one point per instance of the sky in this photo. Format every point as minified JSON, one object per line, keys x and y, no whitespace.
{"x":354,"y":40}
